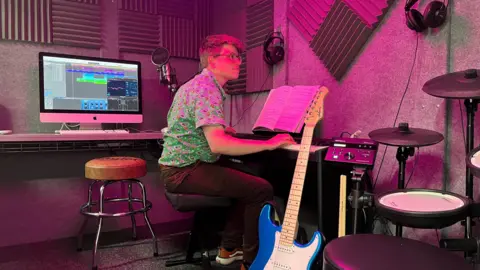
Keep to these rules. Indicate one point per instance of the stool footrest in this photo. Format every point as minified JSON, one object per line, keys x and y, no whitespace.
{"x":83,"y":209}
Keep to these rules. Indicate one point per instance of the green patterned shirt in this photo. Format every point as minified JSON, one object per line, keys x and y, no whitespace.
{"x":197,"y":103}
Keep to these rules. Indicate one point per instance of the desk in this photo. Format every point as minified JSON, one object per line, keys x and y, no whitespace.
{"x":41,"y":142}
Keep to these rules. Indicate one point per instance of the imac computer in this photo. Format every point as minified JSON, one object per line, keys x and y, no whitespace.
{"x":89,"y":91}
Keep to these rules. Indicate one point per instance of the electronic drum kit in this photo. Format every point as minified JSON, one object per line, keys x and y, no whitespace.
{"x":429,"y":208}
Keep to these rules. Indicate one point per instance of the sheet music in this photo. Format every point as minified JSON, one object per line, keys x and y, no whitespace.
{"x":293,"y":114}
{"x":273,"y":107}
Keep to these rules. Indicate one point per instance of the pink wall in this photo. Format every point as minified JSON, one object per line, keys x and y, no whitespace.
{"x":368,"y":96}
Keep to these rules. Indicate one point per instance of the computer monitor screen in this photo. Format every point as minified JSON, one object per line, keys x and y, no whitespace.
{"x":78,"y":89}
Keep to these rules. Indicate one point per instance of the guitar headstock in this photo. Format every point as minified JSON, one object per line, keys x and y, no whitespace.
{"x":315,"y":112}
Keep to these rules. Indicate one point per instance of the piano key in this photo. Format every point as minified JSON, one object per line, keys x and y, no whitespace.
{"x":296,"y":147}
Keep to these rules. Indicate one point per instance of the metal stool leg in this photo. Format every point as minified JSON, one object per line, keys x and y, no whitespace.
{"x":130,"y":207}
{"x":99,"y":229}
{"x":195,"y":244}
{"x":85,"y":221}
{"x":147,"y":220}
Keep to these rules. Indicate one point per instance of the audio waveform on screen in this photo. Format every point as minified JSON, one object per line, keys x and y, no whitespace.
{"x":128,"y":88}
{"x":91,"y":77}
{"x":103,"y":72}
{"x":94,"y":67}
{"x":94,"y":74}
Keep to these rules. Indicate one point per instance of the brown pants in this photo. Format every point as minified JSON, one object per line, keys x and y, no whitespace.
{"x":250,"y":192}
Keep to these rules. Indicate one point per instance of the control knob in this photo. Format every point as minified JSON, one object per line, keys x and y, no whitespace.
{"x":349,"y":156}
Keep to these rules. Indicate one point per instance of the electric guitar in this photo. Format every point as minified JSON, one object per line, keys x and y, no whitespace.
{"x":277,"y":247}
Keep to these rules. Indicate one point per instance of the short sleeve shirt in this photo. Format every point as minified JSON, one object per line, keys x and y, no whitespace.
{"x":197,"y":103}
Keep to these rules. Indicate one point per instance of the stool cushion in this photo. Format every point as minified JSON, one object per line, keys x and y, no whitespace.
{"x":193,"y":202}
{"x":115,"y":168}
{"x":376,"y":251}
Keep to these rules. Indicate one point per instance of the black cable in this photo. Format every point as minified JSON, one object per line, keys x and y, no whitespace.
{"x":398,"y":111}
{"x":345,"y":132}
{"x":413,"y":169}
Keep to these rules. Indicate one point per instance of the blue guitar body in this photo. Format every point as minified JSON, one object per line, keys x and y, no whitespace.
{"x":273,"y":255}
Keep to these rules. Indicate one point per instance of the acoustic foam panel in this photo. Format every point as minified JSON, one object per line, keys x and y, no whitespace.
{"x":337,"y":29}
{"x":77,"y":23}
{"x":308,"y":15}
{"x":259,"y":25}
{"x":178,"y":25}
{"x":26,"y":20}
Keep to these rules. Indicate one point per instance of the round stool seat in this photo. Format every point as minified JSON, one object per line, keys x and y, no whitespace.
{"x":376,"y":251}
{"x":115,"y":168}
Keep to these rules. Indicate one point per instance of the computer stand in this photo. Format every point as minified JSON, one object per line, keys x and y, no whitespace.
{"x":358,"y":198}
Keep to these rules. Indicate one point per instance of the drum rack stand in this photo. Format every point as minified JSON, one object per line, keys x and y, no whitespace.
{"x":468,"y":244}
{"x":359,"y":198}
{"x":403,"y":152}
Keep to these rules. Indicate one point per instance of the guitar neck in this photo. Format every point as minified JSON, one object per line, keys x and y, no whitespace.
{"x":289,"y":226}
{"x":342,"y":206}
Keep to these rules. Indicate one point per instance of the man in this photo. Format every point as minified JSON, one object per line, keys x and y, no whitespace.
{"x":197,"y":136}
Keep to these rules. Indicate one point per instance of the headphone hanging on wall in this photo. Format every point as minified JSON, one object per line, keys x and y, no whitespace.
{"x":434,"y":16}
{"x":274,"y":52}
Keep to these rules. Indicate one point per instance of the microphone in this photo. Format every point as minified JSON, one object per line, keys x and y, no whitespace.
{"x":168,"y":77}
{"x":167,"y":74}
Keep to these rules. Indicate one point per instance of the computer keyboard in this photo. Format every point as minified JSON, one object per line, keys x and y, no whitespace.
{"x":92,"y":131}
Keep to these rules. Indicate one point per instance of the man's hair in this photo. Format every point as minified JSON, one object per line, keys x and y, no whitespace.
{"x":213,"y":44}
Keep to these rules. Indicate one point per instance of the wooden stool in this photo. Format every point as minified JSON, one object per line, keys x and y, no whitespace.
{"x":110,"y":170}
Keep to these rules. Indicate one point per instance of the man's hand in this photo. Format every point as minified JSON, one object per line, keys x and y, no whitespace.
{"x":223,"y":144}
{"x":230,"y":131}
{"x":280,"y":140}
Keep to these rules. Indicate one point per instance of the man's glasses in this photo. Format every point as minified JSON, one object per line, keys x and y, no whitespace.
{"x":231,"y":56}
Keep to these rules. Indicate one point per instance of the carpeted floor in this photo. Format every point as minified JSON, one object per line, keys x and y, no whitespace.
{"x":128,"y":255}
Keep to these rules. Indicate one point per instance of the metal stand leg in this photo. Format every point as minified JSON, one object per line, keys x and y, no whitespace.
{"x":358,"y":199}
{"x":195,"y":243}
{"x":147,"y":220}
{"x":86,"y":209}
{"x":130,"y":207}
{"x":402,"y":155}
{"x":468,"y":244}
{"x":471,"y":106}
{"x":99,"y":229}
{"x":85,"y":221}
